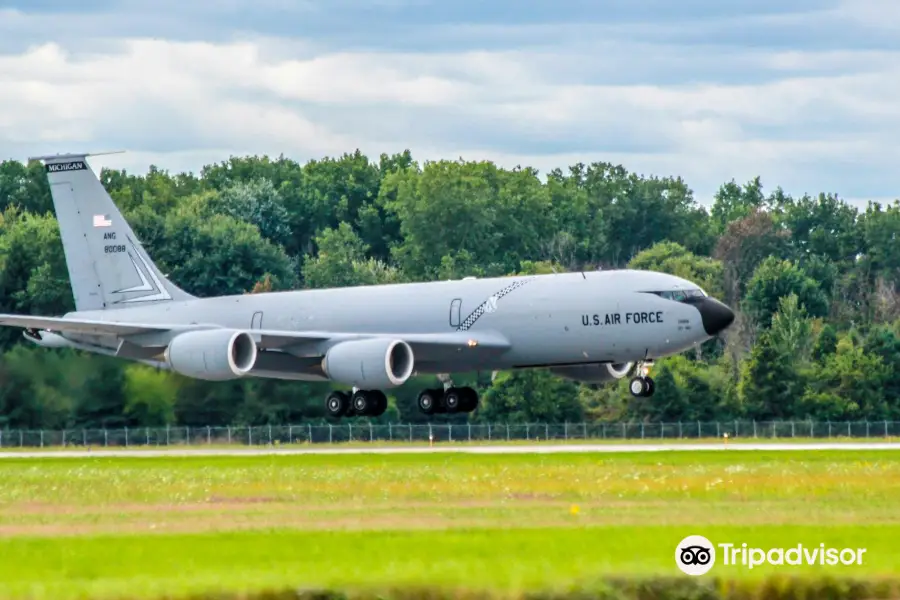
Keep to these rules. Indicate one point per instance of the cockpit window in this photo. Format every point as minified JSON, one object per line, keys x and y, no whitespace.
{"x":680,"y":295}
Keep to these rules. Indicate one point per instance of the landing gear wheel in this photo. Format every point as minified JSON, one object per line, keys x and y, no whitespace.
{"x":429,"y":401}
{"x":637,"y":387}
{"x":362,"y":402}
{"x":460,"y":400}
{"x":453,"y":400}
{"x":336,"y":404}
{"x":379,"y":403}
{"x":469,"y":399}
{"x":641,"y":387}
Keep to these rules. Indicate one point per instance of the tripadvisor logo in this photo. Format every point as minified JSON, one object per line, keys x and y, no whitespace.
{"x":696,"y":555}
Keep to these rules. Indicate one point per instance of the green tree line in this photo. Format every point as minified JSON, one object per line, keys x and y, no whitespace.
{"x":813,"y":280}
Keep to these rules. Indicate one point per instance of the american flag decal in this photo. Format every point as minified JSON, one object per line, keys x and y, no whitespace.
{"x":102,"y":221}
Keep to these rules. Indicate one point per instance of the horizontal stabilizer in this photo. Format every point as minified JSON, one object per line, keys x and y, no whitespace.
{"x":74,"y":155}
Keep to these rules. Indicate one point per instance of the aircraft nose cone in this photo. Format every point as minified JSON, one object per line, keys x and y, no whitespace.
{"x":715,"y":315}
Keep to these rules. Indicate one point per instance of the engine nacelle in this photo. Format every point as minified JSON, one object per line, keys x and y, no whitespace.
{"x":598,"y":373}
{"x":212,"y":354}
{"x":369,"y":364}
{"x":47,"y":339}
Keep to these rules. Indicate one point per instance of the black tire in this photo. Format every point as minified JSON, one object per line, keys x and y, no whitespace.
{"x":637,"y":387}
{"x":469,"y":399}
{"x":362,"y":403}
{"x":428,"y":402}
{"x":439,"y":395}
{"x":337,"y":404}
{"x":454,"y":400}
{"x":651,"y":387}
{"x":379,"y":404}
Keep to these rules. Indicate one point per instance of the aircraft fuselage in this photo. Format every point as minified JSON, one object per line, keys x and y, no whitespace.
{"x":561,"y":319}
{"x":369,"y":337}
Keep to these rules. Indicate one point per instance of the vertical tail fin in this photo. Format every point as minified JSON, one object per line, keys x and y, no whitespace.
{"x":108,"y":267}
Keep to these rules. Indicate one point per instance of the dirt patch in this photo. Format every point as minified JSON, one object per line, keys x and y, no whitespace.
{"x":201,"y":525}
{"x":230,"y":514}
{"x":219,"y":503}
{"x":57,"y":509}
{"x":396,"y":518}
{"x":242,"y":500}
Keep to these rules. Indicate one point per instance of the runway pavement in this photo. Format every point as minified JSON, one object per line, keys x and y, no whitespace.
{"x":461,"y":449}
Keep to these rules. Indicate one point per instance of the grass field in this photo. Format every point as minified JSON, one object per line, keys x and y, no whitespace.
{"x":147,"y":527}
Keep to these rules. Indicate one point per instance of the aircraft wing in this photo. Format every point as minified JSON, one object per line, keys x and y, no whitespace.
{"x":425,"y":346}
{"x":84,"y":326}
{"x":301,"y":343}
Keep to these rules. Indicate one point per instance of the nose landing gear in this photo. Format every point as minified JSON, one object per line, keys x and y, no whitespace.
{"x":641,"y":385}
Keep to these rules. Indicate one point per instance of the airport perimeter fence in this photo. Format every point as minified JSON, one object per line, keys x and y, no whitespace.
{"x":280,"y":435}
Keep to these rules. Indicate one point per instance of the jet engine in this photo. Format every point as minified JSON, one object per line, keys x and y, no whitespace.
{"x":369,"y":364}
{"x":213,"y":354}
{"x":47,"y":339}
{"x":597,"y":373}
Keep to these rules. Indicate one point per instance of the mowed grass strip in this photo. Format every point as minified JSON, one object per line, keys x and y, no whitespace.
{"x":490,"y":560}
{"x":326,"y":479}
{"x":174,"y":494}
{"x":372,"y":522}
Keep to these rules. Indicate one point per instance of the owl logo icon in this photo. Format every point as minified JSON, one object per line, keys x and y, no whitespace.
{"x":695,"y":555}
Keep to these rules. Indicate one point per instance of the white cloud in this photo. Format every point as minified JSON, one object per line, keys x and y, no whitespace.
{"x":809,"y":121}
{"x":875,"y":14}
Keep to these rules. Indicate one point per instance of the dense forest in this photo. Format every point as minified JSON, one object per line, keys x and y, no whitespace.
{"x":814,"y":282}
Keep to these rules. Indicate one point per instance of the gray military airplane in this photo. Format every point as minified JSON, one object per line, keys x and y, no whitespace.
{"x":595,"y":327}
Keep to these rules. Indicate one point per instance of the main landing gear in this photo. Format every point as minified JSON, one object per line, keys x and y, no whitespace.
{"x":361,"y":403}
{"x":448,"y":398}
{"x":641,"y":386}
{"x":372,"y":403}
{"x":451,"y":400}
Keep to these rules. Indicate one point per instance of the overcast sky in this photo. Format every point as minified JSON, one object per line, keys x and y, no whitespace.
{"x":804,"y":93}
